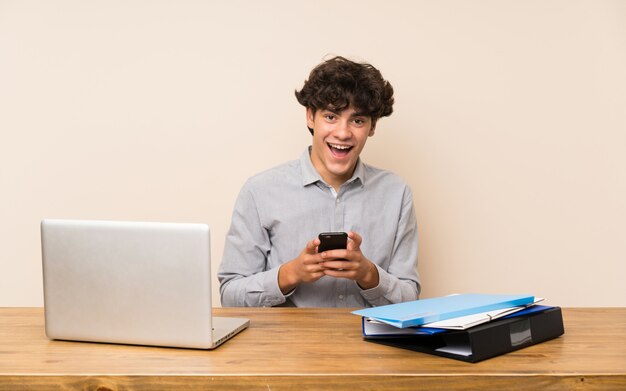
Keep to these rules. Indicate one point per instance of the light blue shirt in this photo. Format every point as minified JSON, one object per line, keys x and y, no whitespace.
{"x":280,"y":210}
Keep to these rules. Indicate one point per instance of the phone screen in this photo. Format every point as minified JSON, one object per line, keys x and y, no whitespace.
{"x":332,"y":241}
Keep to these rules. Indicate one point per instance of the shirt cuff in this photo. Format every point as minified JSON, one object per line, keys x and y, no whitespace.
{"x":274,"y":296}
{"x":384,"y":282}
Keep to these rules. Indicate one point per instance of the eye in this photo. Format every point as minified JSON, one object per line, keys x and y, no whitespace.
{"x":359,"y":121}
{"x":330,"y":117}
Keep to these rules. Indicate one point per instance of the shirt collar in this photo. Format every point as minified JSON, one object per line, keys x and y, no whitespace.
{"x":310,"y":174}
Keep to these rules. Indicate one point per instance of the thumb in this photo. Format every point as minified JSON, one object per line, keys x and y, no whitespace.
{"x":311,"y":247}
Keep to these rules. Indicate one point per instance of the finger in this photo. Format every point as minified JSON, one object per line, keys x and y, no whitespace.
{"x":312,"y":259}
{"x":334,"y":254}
{"x":355,"y":241}
{"x":315,"y":268}
{"x":311,"y":247}
{"x":339,"y":265}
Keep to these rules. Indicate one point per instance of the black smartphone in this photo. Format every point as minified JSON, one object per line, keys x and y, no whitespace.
{"x":332,"y":241}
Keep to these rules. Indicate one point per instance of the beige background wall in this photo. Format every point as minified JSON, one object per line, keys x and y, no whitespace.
{"x":510,"y":126}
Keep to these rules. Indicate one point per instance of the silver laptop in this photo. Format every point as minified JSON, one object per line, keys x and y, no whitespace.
{"x":131,"y":283}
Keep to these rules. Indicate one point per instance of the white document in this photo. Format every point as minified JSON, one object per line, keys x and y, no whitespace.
{"x":375,"y":328}
{"x":465,"y":322}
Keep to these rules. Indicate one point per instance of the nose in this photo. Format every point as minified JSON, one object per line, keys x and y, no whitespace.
{"x":342,"y":131}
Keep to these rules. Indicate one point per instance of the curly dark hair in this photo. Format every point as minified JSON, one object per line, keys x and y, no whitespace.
{"x":339,"y":83}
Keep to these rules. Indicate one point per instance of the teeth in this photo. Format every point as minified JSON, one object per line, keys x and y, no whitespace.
{"x":337,"y":146}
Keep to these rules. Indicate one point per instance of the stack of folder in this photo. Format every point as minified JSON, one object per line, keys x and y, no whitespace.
{"x":467,"y":327}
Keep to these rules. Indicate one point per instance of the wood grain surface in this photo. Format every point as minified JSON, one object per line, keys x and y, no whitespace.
{"x":309,"y":349}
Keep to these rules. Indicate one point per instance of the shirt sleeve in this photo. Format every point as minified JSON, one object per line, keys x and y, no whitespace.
{"x":242,"y":275}
{"x":400,"y":282}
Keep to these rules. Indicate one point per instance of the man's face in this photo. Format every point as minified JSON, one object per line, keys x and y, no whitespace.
{"x":338,"y":139}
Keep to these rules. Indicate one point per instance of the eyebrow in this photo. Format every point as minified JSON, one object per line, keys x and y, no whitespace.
{"x":355,"y":114}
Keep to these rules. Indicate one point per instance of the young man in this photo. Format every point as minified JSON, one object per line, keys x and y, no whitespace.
{"x":270,"y":256}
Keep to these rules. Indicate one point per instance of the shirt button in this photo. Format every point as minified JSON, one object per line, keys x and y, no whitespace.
{"x":341,"y":296}
{"x":338,"y":200}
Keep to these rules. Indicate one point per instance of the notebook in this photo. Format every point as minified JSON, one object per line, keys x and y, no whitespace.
{"x":131,"y":283}
{"x":419,"y":312}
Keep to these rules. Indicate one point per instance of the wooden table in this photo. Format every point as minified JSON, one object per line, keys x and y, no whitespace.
{"x":309,"y":349}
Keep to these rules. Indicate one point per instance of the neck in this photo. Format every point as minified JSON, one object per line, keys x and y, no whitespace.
{"x":331,"y":179}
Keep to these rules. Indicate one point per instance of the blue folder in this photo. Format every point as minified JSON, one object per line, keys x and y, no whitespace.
{"x":418,"y":312}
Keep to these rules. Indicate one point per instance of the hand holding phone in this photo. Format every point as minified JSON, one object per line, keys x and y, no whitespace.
{"x":357,"y":266}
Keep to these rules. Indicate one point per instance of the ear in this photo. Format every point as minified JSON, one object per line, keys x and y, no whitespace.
{"x":372,"y":130}
{"x":310,"y":118}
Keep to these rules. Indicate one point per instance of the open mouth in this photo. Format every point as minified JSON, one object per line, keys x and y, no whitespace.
{"x":339,"y":150}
